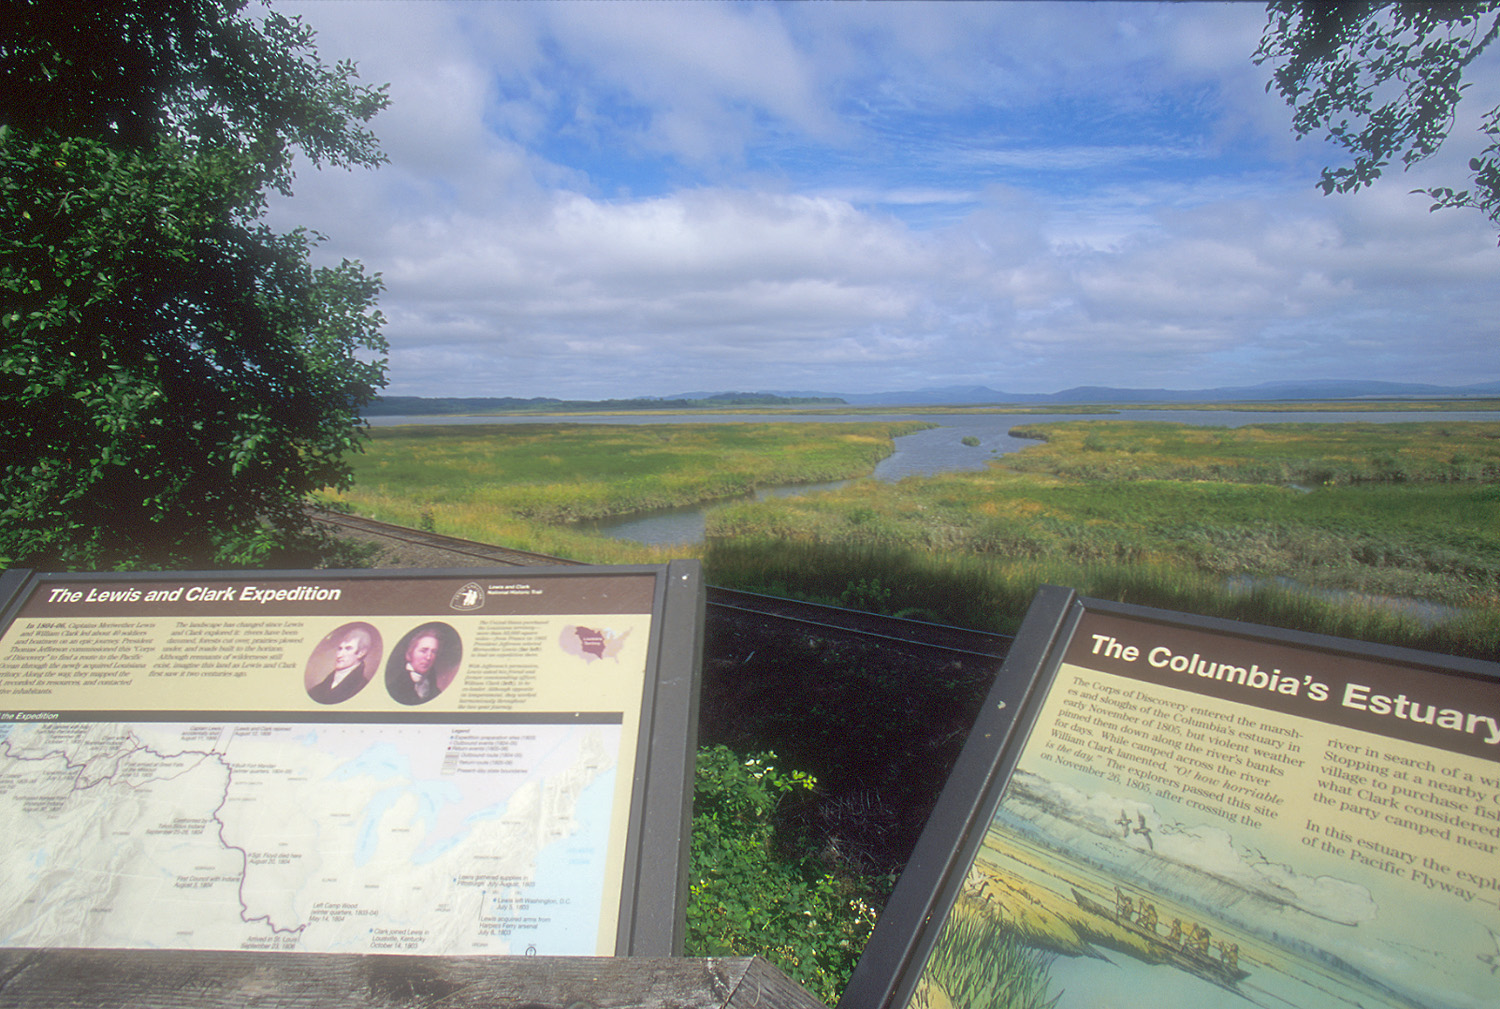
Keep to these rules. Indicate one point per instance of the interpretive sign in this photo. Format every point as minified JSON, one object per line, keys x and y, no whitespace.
{"x":480,"y":761}
{"x":1189,"y":812}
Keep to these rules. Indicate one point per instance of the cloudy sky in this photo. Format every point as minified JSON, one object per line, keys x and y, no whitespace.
{"x":590,"y":200}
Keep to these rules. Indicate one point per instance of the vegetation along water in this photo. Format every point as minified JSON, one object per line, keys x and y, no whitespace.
{"x":524,"y":485}
{"x":1227,"y":522}
{"x":1236,"y":522}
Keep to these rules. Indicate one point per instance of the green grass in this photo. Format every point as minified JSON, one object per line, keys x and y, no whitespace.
{"x":1168,"y":515}
{"x":1434,"y":542}
{"x":993,"y":593}
{"x":1307,"y":454}
{"x":521,"y":484}
{"x":1173,"y":515}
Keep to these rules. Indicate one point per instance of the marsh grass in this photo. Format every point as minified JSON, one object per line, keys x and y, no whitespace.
{"x":992,"y":594}
{"x":1308,"y":454}
{"x":1233,"y":522}
{"x":1204,"y":520}
{"x":522,"y":484}
{"x":1435,"y":542}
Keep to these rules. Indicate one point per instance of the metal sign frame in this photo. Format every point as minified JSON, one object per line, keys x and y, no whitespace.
{"x":645,"y":620}
{"x":1360,"y":700}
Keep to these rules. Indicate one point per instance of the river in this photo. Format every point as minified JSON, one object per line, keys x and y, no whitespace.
{"x":935,"y":450}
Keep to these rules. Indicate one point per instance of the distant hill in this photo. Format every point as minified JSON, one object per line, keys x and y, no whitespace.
{"x":1310,"y":389}
{"x":413,"y":406}
{"x":957,"y":395}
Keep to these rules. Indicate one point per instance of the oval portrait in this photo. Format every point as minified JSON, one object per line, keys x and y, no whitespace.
{"x":342,"y":663}
{"x":423,"y":663}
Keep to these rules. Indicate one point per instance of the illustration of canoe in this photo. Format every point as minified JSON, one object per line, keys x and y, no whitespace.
{"x":1205,"y":965}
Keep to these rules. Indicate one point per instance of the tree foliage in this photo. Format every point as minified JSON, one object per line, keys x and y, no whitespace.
{"x":1384,"y":81}
{"x":175,"y":376}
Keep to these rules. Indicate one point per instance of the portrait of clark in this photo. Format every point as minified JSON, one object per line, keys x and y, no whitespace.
{"x":353,"y":653}
{"x":423,"y":664}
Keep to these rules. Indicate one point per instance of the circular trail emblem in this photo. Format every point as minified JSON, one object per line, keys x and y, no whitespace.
{"x":470,"y":597}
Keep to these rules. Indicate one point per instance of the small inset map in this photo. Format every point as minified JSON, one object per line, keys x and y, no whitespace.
{"x":591,"y":644}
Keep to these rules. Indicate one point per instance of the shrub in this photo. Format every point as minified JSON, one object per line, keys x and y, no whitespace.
{"x":755,"y":891}
{"x":866,"y":594}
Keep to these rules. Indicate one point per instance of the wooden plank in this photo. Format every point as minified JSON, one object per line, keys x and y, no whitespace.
{"x":766,"y":987}
{"x":180,"y":979}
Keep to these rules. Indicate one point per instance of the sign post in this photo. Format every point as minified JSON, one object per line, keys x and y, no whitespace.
{"x":470,"y":762}
{"x":1172,"y":810}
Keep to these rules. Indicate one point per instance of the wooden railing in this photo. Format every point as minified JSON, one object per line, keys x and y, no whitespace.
{"x":177,"y":979}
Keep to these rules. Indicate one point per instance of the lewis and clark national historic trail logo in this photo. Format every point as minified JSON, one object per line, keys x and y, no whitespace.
{"x":469,"y":597}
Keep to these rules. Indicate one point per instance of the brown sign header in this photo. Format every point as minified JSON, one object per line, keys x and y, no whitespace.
{"x":305,"y":594}
{"x":1409,"y":702}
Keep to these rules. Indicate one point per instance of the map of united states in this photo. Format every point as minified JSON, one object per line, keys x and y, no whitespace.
{"x":591,"y":643}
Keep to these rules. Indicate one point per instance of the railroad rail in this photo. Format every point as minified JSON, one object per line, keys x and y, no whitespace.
{"x":373,"y":529}
{"x":942,"y":637}
{"x":919,"y":633}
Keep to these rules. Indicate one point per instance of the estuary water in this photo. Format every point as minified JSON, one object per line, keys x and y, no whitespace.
{"x":936,"y":450}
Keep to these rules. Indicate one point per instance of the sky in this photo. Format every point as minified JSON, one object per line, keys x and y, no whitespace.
{"x":611,"y":200}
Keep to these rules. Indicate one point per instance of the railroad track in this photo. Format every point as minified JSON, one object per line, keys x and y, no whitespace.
{"x":919,"y":633}
{"x":941,"y":637}
{"x":371,"y":529}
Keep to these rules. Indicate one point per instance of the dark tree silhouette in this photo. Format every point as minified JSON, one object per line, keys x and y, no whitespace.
{"x":175,"y":377}
{"x":1383,"y":81}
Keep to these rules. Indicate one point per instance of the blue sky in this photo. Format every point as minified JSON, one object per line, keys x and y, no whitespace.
{"x":606,"y":200}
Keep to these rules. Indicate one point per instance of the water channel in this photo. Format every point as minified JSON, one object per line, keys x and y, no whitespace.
{"x":936,"y":450}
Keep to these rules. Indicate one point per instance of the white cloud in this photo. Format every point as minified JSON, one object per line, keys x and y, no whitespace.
{"x":704,"y":71}
{"x":873,"y":244}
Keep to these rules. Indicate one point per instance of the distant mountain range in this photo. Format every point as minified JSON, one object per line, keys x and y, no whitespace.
{"x":1312,"y":389}
{"x":957,"y":395}
{"x":412,"y":406}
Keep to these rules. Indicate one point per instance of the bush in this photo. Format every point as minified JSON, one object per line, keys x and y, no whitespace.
{"x":866,"y":594}
{"x":755,"y":891}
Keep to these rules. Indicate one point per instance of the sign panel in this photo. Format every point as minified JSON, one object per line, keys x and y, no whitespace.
{"x":1192,"y":811}
{"x":427,"y":762}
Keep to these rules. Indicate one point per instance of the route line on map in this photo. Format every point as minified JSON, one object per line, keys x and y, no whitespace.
{"x":244,"y":855}
{"x":79,"y":784}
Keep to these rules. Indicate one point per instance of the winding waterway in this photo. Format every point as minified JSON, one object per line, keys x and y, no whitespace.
{"x":936,"y":450}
